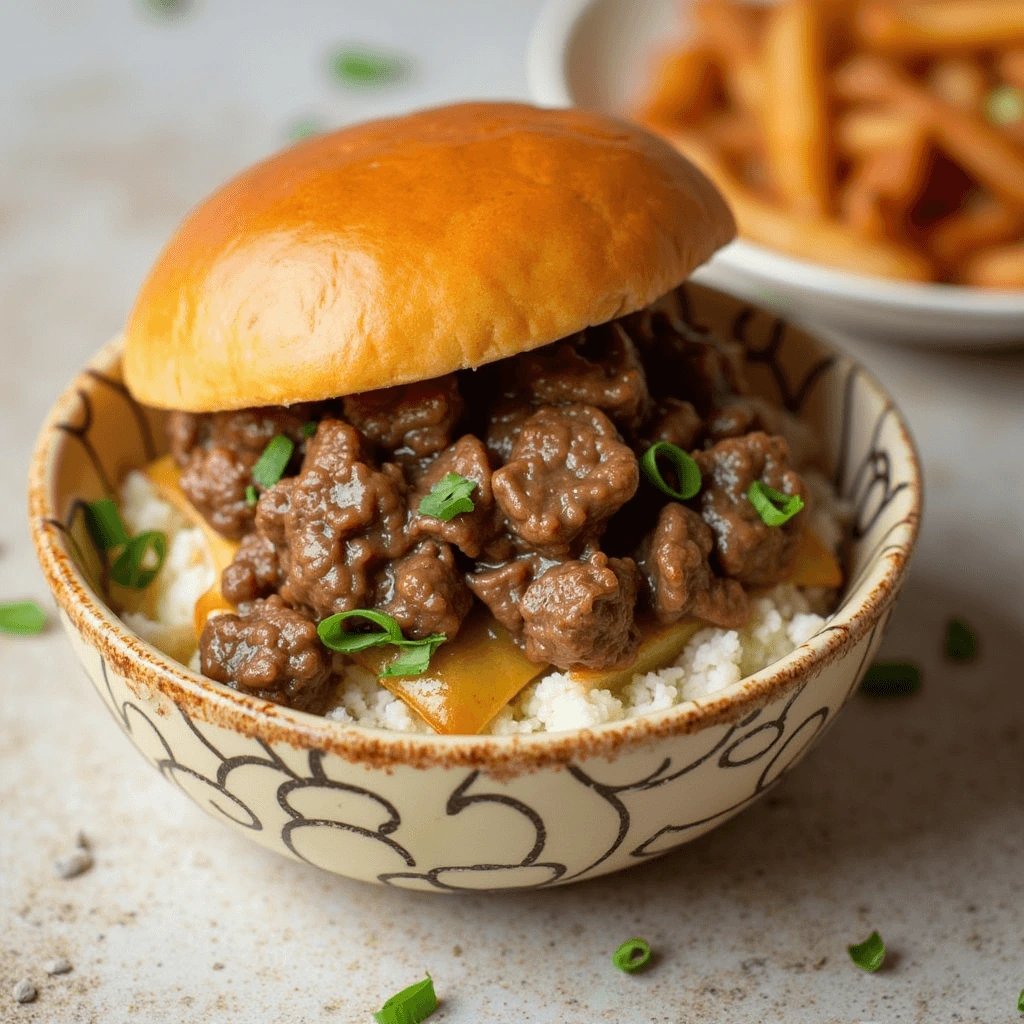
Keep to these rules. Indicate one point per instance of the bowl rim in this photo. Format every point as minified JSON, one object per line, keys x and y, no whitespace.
{"x":547,"y":59}
{"x":147,"y":671}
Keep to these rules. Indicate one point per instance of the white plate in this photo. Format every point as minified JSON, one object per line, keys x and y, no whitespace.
{"x":597,"y":54}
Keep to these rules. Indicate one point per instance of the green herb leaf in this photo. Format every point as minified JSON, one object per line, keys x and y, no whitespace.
{"x":363,"y":67}
{"x":410,"y":1006}
{"x":869,"y":954}
{"x":414,"y":657}
{"x":1005,"y":105}
{"x":449,"y":497}
{"x":338,"y":639}
{"x":141,"y":560}
{"x":961,"y":643}
{"x":21,"y":618}
{"x":251,"y":497}
{"x":687,"y":471}
{"x":304,"y":130}
{"x":1020,"y":1001}
{"x":309,"y":429}
{"x":273,"y":462}
{"x":104,"y":524}
{"x":632,"y":956}
{"x":891,"y":679}
{"x":774,"y":507}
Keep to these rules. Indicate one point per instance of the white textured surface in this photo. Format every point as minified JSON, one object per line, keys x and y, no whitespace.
{"x":908,"y":818}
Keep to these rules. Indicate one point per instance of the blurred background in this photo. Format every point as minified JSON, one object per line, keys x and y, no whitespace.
{"x":117,"y":116}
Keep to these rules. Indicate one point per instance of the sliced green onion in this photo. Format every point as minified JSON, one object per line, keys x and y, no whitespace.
{"x":891,"y":679}
{"x":687,"y":471}
{"x":362,"y":67}
{"x":1005,"y":105}
{"x":309,"y":429}
{"x":130,"y":569}
{"x":449,"y":497}
{"x":869,"y":954}
{"x":22,"y":618}
{"x":104,"y":524}
{"x":774,"y":507}
{"x":273,"y":462}
{"x":410,"y":1006}
{"x":632,"y":956}
{"x":961,"y":643}
{"x":414,"y":657}
{"x":251,"y":497}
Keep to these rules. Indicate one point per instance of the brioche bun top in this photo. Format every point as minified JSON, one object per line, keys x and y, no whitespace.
{"x":406,"y":248}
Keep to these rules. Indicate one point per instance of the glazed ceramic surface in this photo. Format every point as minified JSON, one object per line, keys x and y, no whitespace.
{"x":599,"y":54}
{"x":444,"y":814}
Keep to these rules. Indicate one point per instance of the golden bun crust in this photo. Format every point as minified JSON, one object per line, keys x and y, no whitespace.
{"x":403,"y":249}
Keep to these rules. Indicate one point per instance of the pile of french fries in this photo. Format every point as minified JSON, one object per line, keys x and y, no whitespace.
{"x":883,"y":137}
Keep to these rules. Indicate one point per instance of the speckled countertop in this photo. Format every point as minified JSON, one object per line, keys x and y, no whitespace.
{"x":908,"y":818}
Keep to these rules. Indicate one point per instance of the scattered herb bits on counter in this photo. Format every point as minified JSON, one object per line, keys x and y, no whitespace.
{"x":363,"y":67}
{"x":632,"y":956}
{"x":1020,"y":1001}
{"x":410,"y":1006}
{"x":21,"y":618}
{"x":961,"y":642}
{"x":868,"y":955}
{"x":891,"y":679}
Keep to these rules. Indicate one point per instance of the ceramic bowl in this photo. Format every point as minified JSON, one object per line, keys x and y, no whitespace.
{"x":479,"y":812}
{"x":599,"y":54}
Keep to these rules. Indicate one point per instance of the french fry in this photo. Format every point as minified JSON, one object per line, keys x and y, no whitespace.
{"x":1002,"y":267}
{"x":731,"y":33}
{"x":988,"y":156}
{"x":821,"y":241}
{"x":960,"y":82}
{"x":884,"y":187}
{"x":863,"y":131}
{"x":794,"y":121}
{"x":682,"y":86}
{"x":985,"y":224}
{"x":941,"y":25}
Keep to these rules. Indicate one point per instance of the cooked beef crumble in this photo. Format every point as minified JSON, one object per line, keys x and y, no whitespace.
{"x":551,"y":439}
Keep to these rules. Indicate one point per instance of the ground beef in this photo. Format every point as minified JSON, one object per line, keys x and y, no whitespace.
{"x":580,"y":613}
{"x":218,"y":452}
{"x":424,"y":591}
{"x":674,"y":562}
{"x":335,"y":523}
{"x":412,"y":420}
{"x":470,"y":532}
{"x":567,"y":473}
{"x":748,"y":550}
{"x":677,"y":422}
{"x":503,"y":424}
{"x":268,"y":650}
{"x":599,"y":367}
{"x":254,"y":572}
{"x":501,"y":588}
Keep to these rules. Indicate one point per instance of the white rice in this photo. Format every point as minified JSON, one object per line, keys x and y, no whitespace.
{"x":781,"y":621}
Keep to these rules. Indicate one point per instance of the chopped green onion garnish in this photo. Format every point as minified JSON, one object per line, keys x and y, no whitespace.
{"x":251,"y":497}
{"x":104,"y":524}
{"x":961,"y":643}
{"x":273,"y":462}
{"x":774,"y":507}
{"x":632,"y":956}
{"x":309,"y":429}
{"x":22,"y":618}
{"x":687,"y":471}
{"x":1005,"y":105}
{"x":360,"y":67}
{"x":869,"y":954}
{"x":412,"y":1005}
{"x":891,"y":679}
{"x":1020,"y":1001}
{"x":135,"y":567}
{"x":414,"y":656}
{"x":448,"y":497}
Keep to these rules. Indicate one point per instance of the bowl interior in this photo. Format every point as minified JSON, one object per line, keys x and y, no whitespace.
{"x":601,"y":53}
{"x":97,"y":433}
